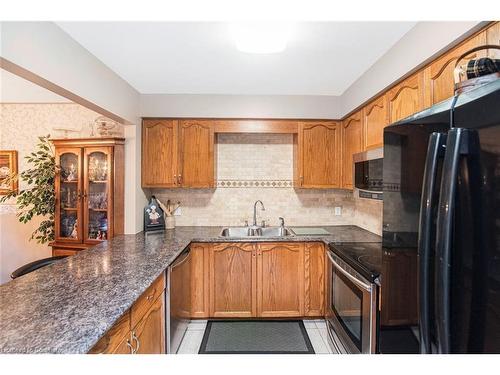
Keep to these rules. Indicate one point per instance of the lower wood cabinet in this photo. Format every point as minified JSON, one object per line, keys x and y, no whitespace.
{"x":314,"y":279}
{"x":232,"y":280}
{"x":268,"y":280}
{"x":141,"y":330}
{"x":199,"y":280}
{"x":280,"y":279}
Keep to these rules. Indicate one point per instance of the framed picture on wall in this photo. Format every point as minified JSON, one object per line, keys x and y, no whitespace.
{"x":8,"y":167}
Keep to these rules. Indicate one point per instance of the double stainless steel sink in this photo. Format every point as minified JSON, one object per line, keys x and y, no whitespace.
{"x":238,"y":232}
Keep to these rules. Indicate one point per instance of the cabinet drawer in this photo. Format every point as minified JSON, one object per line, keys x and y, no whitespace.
{"x":114,"y":337}
{"x":147,"y":299}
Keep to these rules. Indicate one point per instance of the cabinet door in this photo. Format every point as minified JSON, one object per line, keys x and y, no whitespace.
{"x":280,"y":274}
{"x":199,"y":280}
{"x":406,"y":98}
{"x":374,"y":122}
{"x":196,"y":154}
{"x":97,"y":194}
{"x":314,"y":271}
{"x":116,"y":339}
{"x":159,"y":153}
{"x":148,"y":337}
{"x":397,"y":305}
{"x":493,"y":37}
{"x":319,"y":150}
{"x":439,"y":77}
{"x":69,"y":191}
{"x":232,"y":280}
{"x":352,"y":143}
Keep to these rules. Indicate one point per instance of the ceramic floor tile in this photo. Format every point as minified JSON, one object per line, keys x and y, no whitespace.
{"x":309,"y":324}
{"x":319,"y":345}
{"x":198,"y":325}
{"x":191,"y":342}
{"x":324,"y":335}
{"x":320,"y":324}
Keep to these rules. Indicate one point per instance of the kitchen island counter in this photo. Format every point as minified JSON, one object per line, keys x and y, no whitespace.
{"x":68,"y":306}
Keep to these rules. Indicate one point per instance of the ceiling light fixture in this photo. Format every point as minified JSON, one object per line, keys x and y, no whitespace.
{"x":261,"y":37}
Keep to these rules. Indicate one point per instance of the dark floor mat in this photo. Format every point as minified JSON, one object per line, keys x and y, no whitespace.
{"x":256,"y":337}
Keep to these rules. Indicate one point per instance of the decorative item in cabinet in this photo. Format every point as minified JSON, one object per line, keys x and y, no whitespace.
{"x":89,"y":191}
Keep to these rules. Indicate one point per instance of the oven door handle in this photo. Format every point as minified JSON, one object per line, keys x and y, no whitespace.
{"x":359,"y":283}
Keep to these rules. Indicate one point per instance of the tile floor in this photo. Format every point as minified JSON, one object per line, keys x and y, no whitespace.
{"x":316,"y":329}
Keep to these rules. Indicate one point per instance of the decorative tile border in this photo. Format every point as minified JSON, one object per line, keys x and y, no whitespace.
{"x":254,"y":183}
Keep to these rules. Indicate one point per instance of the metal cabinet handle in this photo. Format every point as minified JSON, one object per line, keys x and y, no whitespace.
{"x":134,"y":337}
{"x":176,"y":181}
{"x":132,"y":350}
{"x":180,"y":179}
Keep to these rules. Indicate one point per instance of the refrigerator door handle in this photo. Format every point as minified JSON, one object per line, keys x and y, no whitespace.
{"x":435,"y":152}
{"x":460,"y":143}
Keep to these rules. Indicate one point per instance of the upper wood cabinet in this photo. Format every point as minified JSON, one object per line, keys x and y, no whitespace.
{"x":159,"y":153}
{"x":232,"y":280}
{"x":178,"y":153}
{"x":352,"y":142}
{"x":374,"y":122}
{"x":406,"y":98}
{"x":280,"y":275}
{"x":196,"y":153}
{"x":317,"y":158}
{"x":439,"y":77}
{"x":314,"y":279}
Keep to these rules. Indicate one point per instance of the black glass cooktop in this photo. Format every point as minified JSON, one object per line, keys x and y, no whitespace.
{"x":364,"y":257}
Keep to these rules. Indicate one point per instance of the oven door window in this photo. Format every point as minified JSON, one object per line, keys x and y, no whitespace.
{"x":347,"y":305}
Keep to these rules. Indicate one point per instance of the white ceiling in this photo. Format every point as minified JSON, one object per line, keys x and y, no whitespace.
{"x":322,"y":58}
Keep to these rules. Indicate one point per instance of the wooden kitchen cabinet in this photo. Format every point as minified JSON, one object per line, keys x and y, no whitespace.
{"x":406,"y":98}
{"x":314,"y":279}
{"x":317,"y":155}
{"x":178,"y":153}
{"x":439,"y":77}
{"x":89,"y":189}
{"x":149,"y":333}
{"x":280,"y":279}
{"x":352,"y":143}
{"x":141,"y":329}
{"x":397,"y":291}
{"x":159,"y":153}
{"x":200,"y":253}
{"x":196,"y":154}
{"x":233,"y":280}
{"x":374,"y":122}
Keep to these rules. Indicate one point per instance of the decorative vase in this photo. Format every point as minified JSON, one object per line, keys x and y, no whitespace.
{"x":170,"y":222}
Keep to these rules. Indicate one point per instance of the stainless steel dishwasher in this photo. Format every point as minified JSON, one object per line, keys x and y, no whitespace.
{"x":178,"y":300}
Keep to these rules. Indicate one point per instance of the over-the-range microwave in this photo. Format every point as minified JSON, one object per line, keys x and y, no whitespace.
{"x":368,"y":172}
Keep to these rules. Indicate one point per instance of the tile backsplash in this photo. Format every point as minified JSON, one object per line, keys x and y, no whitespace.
{"x":260,"y":166}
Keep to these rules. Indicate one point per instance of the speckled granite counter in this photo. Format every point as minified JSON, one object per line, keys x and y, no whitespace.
{"x":68,"y":306}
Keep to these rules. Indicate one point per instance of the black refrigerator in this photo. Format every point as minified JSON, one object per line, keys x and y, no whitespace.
{"x":442,"y":202}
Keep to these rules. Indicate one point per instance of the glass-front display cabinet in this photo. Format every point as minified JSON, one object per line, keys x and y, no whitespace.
{"x":89,"y":188}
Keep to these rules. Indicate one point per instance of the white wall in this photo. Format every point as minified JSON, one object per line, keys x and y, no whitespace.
{"x":14,"y":89}
{"x":44,"y":49}
{"x":424,"y":41}
{"x":225,"y":106}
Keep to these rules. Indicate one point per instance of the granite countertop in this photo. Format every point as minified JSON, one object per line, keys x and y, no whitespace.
{"x":68,"y":306}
